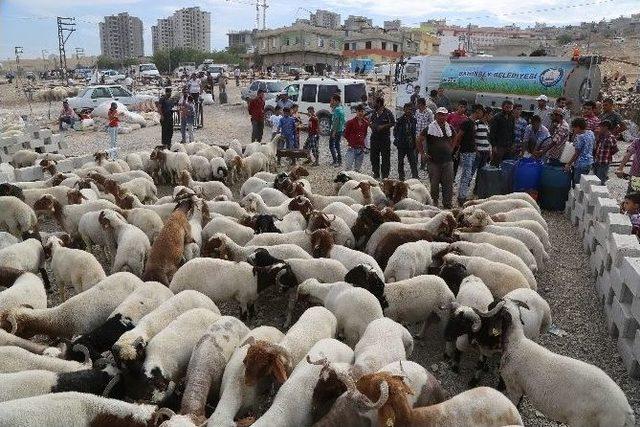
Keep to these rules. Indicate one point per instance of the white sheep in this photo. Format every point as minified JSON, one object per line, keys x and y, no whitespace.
{"x":519,"y":215}
{"x":273,"y":197}
{"x":73,"y":266}
{"x":92,"y":234}
{"x":24,"y":158}
{"x":292,"y":405}
{"x":300,"y":238}
{"x":235,"y":394}
{"x":16,"y":359}
{"x":536,"y":316}
{"x":132,"y":244}
{"x":237,"y":232}
{"x":59,"y":192}
{"x":383,"y":342}
{"x":518,"y":195}
{"x":507,"y":243}
{"x":320,"y":201}
{"x":7,"y":239}
{"x":193,"y":147}
{"x":250,"y":165}
{"x":499,"y":278}
{"x":343,"y":211}
{"x":27,"y":255}
{"x":495,"y":254}
{"x":134,"y":160}
{"x":219,"y":169}
{"x":16,"y":216}
{"x":79,"y":314}
{"x":211,"y":152}
{"x":172,"y":163}
{"x":227,"y":208}
{"x":411,"y":259}
{"x":354,"y":308}
{"x":365,"y":194}
{"x":563,"y":389}
{"x":26,"y":290}
{"x":131,"y":344}
{"x":254,"y":184}
{"x":146,"y":220}
{"x":322,"y":242}
{"x":201,"y":167}
{"x":253,"y":202}
{"x":497,"y":206}
{"x":225,"y":248}
{"x":142,"y":188}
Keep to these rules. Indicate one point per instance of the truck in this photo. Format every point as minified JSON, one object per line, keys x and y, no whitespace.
{"x":491,"y":80}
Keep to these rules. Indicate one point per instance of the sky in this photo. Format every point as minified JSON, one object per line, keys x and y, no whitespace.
{"x":32,"y":23}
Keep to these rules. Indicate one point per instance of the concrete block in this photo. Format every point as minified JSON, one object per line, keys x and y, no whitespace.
{"x":630,"y":275}
{"x":601,"y":233}
{"x":598,"y":258}
{"x":50,"y":148}
{"x":572,"y":198}
{"x":616,"y":282}
{"x":620,"y":246}
{"x":586,"y":181}
{"x":65,"y":165}
{"x":619,"y":223}
{"x":56,"y":138}
{"x":630,"y":361}
{"x":81,"y":160}
{"x":42,"y":134}
{"x":13,"y":140}
{"x":608,"y":316}
{"x":597,"y":191}
{"x":13,"y":149}
{"x":603,"y":207}
{"x":589,"y":239}
{"x":626,"y":323}
{"x":635,"y":309}
{"x":603,"y":287}
{"x":33,"y":144}
{"x":47,"y":140}
{"x":63,"y":144}
{"x":583,"y":225}
{"x":31,"y":173}
{"x":577,"y":213}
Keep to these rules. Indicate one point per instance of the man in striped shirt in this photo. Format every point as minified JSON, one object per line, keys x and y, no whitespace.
{"x":483,"y":148}
{"x":559,"y":135}
{"x":424,"y":117}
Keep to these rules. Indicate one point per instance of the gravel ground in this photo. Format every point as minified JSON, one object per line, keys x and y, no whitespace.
{"x":566,"y":283}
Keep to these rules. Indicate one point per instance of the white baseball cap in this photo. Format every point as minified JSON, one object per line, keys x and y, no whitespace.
{"x":542,"y":98}
{"x":442,"y":110}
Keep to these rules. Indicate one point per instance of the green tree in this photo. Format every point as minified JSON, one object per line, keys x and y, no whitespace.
{"x":563,"y":39}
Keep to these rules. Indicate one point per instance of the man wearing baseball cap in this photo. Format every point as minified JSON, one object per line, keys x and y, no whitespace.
{"x":439,"y":155}
{"x":543,"y":111}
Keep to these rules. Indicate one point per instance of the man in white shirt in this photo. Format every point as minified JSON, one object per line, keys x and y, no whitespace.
{"x":543,"y":110}
{"x":236,"y":74}
{"x":195,"y":89}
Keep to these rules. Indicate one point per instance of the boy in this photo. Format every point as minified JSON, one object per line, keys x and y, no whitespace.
{"x":582,"y":159}
{"x":634,"y":173}
{"x":114,"y":121}
{"x":313,"y":136}
{"x":275,"y":121}
{"x":404,"y":138}
{"x":288,"y":129}
{"x":606,"y":147}
{"x":631,"y":207}
{"x":187,"y":117}
{"x":355,"y":132}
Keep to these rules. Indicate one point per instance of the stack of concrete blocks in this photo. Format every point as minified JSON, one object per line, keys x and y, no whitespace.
{"x":39,"y":140}
{"x":614,"y":256}
{"x":34,"y":173}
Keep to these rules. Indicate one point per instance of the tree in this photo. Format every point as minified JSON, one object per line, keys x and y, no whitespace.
{"x":563,"y":39}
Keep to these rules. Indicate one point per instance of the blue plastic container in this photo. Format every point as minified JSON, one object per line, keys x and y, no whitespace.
{"x":507,"y":169}
{"x":555,"y":183}
{"x":488,"y":182}
{"x":526,"y":176}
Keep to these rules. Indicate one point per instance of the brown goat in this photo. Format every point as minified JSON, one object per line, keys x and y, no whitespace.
{"x":167,"y":250}
{"x":264,"y":359}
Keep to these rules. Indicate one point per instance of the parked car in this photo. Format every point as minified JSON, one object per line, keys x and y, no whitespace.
{"x":112,"y":76}
{"x":147,"y":72}
{"x":185,"y":68}
{"x":316,"y":92}
{"x":216,"y":70}
{"x":271,"y":88}
{"x":92,"y":96}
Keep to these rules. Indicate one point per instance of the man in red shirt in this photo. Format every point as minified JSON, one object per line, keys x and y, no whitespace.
{"x":314,"y":135}
{"x":355,"y":132}
{"x":256,"y":111}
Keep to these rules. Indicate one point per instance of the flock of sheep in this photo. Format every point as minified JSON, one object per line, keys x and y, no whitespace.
{"x":145,"y":343}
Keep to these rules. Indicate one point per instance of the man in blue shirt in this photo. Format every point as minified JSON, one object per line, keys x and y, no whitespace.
{"x":288,"y":129}
{"x":582,"y":160}
{"x":535,"y":135}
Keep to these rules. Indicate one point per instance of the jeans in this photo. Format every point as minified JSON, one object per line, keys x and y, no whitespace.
{"x":353,"y":159}
{"x":467,"y":162}
{"x":113,"y":140}
{"x":312,"y":146}
{"x":441,"y":174}
{"x":186,"y":126}
{"x":334,"y":147}
{"x":380,"y":153}
{"x":412,"y":157}
{"x":481,"y":159}
{"x":257,"y":127}
{"x":167,"y":131}
{"x":601,"y":170}
{"x":579,"y":171}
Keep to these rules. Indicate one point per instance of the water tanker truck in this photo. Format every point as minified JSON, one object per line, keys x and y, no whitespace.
{"x":490,"y":80}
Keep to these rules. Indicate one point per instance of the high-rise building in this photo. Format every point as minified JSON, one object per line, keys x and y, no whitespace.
{"x":357,"y":23}
{"x":187,"y":27}
{"x":325,"y":19}
{"x":394,"y":25}
{"x":121,"y":36}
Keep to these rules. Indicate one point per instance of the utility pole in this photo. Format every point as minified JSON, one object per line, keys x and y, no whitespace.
{"x":264,"y":14}
{"x":66,"y":26}
{"x":44,"y":59}
{"x":18,"y":51}
{"x":257,"y":14}
{"x":469,"y":38}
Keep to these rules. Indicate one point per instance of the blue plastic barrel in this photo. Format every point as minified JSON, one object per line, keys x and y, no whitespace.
{"x":555,"y":183}
{"x":526,"y":176}
{"x":488,"y":182}
{"x":507,"y":168}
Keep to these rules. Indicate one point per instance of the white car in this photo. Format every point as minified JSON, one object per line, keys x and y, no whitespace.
{"x":316,"y":92}
{"x":112,"y":76}
{"x":92,"y":96}
{"x":271,"y":88}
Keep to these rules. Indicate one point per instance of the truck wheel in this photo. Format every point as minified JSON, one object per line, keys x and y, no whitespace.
{"x":324,"y":124}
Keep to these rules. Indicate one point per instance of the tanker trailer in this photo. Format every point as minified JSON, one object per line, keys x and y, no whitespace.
{"x":490,"y":80}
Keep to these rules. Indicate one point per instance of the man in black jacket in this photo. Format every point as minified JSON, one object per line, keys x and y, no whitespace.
{"x":382,"y":121}
{"x":404,"y":134}
{"x":501,"y":133}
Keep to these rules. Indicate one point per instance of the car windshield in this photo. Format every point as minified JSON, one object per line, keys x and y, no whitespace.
{"x":147,"y":67}
{"x":274,"y":87}
{"x":411,"y":72}
{"x":354,"y":92}
{"x":82,"y":92}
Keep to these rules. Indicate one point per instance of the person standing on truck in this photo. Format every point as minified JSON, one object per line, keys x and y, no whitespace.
{"x":543,"y":111}
{"x":559,"y":135}
{"x":382,"y":121}
{"x":589,"y":114}
{"x":424,"y":117}
{"x":355,"y":132}
{"x":404,"y":138}
{"x":165,"y":108}
{"x":256,"y":111}
{"x":501,"y":132}
{"x":465,"y":141}
{"x":610,"y":114}
{"x":338,"y":119}
{"x":520,"y":125}
{"x":438,"y":139}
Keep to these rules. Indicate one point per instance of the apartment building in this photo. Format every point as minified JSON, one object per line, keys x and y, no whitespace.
{"x":189,"y":27}
{"x":121,"y":36}
{"x":325,"y":19}
{"x":379,"y":45}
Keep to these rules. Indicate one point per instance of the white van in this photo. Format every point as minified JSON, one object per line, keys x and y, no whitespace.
{"x":147,"y":72}
{"x":316,"y":92}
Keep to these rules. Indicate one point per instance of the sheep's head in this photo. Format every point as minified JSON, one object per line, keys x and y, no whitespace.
{"x":285,"y":278}
{"x":184,"y":205}
{"x":462,"y":320}
{"x":250,"y":202}
{"x":185,"y":177}
{"x":237,"y":162}
{"x":265,"y":359}
{"x":129,"y":350}
{"x":386,"y":393}
{"x":329,"y":387}
{"x":322,"y":241}
{"x":7,"y":189}
{"x":15,"y":321}
{"x":453,"y":273}
{"x":46,"y":203}
{"x":100,"y":156}
{"x":125,"y":202}
{"x":364,"y":276}
{"x":389,"y":215}
{"x":265,"y":224}
{"x":447,"y":225}
{"x":56,"y":179}
{"x":365,"y":189}
{"x":111,"y":186}
{"x":48,"y":166}
{"x":368,"y":221}
{"x":280,"y":179}
{"x":301,"y":204}
{"x":262,"y":258}
{"x":96,"y":177}
{"x":85,"y":183}
{"x":493,"y":327}
{"x":104,"y":222}
{"x":75,"y":197}
{"x":52,"y":241}
{"x":476,"y":219}
{"x":395,"y":190}
{"x":216,"y":247}
{"x":341,"y":178}
{"x":318,"y":220}
{"x":298,"y":172}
